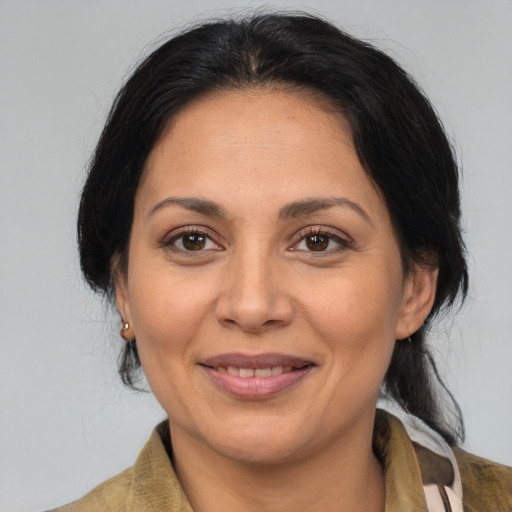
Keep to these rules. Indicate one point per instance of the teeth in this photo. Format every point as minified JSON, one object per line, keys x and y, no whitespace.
{"x":246,"y":372}
{"x":263,"y":372}
{"x":258,"y":372}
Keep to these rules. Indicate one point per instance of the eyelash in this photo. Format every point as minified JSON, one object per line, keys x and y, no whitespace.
{"x":333,"y":236}
{"x":168,"y":241}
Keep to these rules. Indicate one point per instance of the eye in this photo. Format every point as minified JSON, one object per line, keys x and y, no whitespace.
{"x":190,"y":240}
{"x":318,"y":240}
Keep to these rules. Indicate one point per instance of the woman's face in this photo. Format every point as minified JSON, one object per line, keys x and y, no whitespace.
{"x":264,"y":284}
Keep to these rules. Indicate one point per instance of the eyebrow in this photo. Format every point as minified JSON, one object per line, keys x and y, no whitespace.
{"x":202,"y":206}
{"x":291,"y":210}
{"x":312,"y":205}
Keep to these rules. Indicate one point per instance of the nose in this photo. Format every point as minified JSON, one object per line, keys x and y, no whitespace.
{"x":254,"y":294}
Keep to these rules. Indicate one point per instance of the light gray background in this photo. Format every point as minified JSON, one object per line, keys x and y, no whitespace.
{"x":66,"y":422}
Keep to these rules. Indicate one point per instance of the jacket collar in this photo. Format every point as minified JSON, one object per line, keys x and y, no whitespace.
{"x":155,"y":486}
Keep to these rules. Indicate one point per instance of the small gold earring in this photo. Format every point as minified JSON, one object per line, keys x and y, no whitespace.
{"x":124,"y":328}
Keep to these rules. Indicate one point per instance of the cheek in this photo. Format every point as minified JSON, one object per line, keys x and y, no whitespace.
{"x":169,"y":313}
{"x":356,"y":315}
{"x":168,"y":308}
{"x":357,"y":326}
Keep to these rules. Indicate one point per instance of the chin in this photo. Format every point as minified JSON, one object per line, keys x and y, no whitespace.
{"x":259,"y":452}
{"x":262,"y":444}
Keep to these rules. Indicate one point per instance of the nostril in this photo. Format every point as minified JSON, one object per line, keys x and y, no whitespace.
{"x":253,"y":305}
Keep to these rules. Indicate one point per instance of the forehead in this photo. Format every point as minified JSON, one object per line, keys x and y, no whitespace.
{"x":261,"y":99}
{"x":262,"y":142}
{"x":231,"y":120}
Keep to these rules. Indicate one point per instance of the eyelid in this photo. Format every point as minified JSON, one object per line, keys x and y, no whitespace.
{"x":334,"y":233}
{"x":172,"y":235}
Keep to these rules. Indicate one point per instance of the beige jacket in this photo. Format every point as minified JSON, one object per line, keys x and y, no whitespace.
{"x":151,"y":484}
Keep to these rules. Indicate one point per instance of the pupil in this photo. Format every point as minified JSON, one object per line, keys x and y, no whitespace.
{"x":317,"y":242}
{"x":193,"y":242}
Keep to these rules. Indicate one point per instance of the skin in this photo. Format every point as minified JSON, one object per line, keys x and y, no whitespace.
{"x":256,"y":286}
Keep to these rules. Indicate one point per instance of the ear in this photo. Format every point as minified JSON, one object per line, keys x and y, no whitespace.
{"x":417,"y":300}
{"x":120,"y":282}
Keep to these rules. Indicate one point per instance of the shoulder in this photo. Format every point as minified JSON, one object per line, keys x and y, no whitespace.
{"x":486,"y":485}
{"x":113,"y":495}
{"x":150,"y":484}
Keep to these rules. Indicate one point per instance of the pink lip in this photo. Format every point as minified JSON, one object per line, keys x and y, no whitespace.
{"x":255,"y":361}
{"x":254,"y":388}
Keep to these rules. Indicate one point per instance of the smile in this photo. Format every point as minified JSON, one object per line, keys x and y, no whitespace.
{"x":255,"y":377}
{"x":257,"y":372}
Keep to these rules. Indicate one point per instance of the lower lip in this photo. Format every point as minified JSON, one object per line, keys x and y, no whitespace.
{"x":254,"y":388}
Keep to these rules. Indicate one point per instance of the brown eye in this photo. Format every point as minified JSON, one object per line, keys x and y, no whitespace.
{"x":317,"y":242}
{"x":323,"y":242}
{"x":190,"y":240}
{"x":193,"y":241}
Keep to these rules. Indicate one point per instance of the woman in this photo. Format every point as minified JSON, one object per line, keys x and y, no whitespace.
{"x":274,"y":207}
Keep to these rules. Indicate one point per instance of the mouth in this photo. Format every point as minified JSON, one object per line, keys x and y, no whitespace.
{"x":256,"y":372}
{"x":256,"y":377}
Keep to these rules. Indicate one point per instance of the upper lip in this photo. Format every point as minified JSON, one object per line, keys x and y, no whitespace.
{"x":266,"y":360}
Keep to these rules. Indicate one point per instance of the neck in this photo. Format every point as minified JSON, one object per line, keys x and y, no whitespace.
{"x":344,"y":477}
